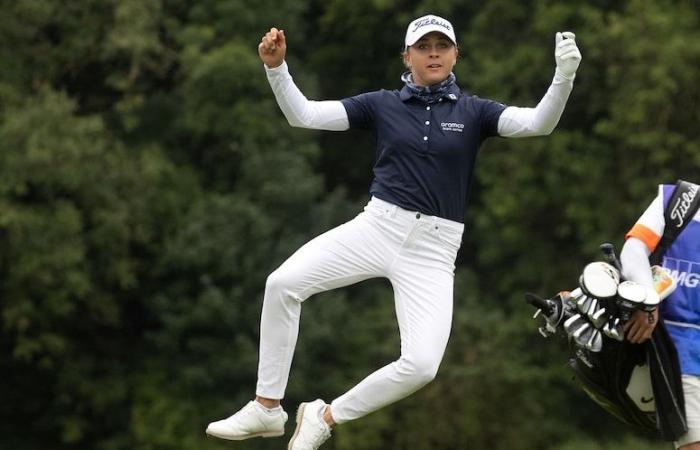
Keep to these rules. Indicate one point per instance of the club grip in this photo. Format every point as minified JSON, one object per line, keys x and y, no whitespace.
{"x":539,"y":302}
{"x":609,"y":254}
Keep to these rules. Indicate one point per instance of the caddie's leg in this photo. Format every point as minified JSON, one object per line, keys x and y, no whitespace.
{"x":691,"y":394}
{"x":347,"y":254}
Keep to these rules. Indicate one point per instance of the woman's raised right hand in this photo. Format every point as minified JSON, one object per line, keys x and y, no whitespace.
{"x":273,"y":47}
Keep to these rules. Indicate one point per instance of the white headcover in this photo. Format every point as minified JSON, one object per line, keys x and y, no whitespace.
{"x":600,"y":279}
{"x":638,"y":293}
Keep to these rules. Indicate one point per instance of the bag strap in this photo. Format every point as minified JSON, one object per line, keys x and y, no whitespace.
{"x":680,"y":210}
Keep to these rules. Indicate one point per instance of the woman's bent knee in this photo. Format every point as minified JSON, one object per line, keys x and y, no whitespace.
{"x":418,"y":373}
{"x":275,"y":282}
{"x":280,"y":286}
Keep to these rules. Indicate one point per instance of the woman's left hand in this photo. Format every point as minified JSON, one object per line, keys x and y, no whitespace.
{"x":566,"y":54}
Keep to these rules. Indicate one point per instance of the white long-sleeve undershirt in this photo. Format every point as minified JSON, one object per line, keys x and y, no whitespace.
{"x":635,"y":262}
{"x":540,"y":120}
{"x":301,"y":112}
{"x":331,"y":115}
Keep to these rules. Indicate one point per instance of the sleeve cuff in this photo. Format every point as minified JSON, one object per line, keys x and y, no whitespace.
{"x":560,"y":77}
{"x":281,"y":69}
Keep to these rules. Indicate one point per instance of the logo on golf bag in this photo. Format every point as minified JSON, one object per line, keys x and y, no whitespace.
{"x":639,"y":389}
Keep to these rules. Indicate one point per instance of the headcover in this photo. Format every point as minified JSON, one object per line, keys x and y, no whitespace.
{"x":600,"y":279}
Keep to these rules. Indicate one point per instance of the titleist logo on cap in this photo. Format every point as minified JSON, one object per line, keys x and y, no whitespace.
{"x":430,"y":21}
{"x":426,"y":24}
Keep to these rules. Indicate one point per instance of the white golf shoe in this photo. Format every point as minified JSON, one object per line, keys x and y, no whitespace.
{"x":253,"y":420}
{"x":312,"y":430}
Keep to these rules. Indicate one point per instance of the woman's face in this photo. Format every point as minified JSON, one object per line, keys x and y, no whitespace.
{"x":431,"y":59}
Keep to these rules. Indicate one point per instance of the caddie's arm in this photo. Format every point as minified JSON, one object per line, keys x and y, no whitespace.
{"x":297,"y":109}
{"x":541,"y":120}
{"x":635,"y":267}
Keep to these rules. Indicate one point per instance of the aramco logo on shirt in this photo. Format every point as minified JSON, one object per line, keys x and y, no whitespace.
{"x":686,"y":273}
{"x":452,"y":126}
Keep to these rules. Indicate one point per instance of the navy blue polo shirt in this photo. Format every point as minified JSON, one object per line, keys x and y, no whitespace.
{"x":425,"y":151}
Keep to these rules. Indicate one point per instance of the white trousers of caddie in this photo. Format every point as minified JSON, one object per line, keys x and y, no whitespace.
{"x":691,"y":394}
{"x":415,"y":252}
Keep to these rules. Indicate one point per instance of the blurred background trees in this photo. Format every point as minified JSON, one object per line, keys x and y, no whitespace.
{"x":149,"y":183}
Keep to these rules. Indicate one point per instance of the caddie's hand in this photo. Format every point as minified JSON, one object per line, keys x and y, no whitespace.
{"x":566,"y":54}
{"x":640,"y":326}
{"x":272,"y":48}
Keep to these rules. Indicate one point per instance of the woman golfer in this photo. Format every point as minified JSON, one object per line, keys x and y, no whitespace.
{"x":427,"y":136}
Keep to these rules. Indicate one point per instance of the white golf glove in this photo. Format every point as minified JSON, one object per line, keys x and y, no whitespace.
{"x":566,"y":54}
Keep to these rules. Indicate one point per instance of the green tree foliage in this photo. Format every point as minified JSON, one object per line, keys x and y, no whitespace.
{"x":149,"y":183}
{"x":81,"y":217}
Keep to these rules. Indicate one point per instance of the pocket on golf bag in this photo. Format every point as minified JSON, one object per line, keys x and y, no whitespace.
{"x":617,"y":379}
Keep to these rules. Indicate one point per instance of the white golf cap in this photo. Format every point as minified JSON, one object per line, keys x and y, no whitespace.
{"x":424,"y":25}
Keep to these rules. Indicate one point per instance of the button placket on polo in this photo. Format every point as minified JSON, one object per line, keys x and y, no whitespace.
{"x":426,"y":138}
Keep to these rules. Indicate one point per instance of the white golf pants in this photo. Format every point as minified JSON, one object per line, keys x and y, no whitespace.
{"x":415,"y":252}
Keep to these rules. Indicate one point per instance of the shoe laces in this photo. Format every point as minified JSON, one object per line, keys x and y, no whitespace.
{"x":248,"y":410}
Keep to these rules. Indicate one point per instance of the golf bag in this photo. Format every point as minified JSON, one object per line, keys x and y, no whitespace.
{"x":639,"y":384}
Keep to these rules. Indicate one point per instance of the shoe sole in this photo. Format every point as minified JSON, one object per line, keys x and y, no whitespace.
{"x":300,"y":418}
{"x":268,"y":434}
